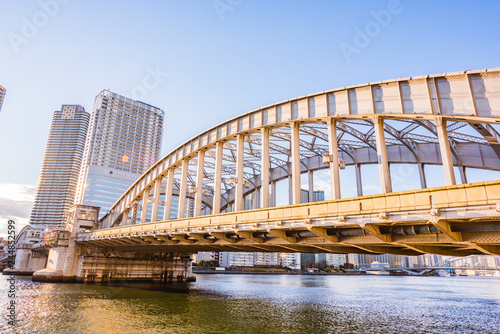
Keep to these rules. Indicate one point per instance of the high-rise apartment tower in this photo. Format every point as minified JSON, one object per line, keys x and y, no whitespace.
{"x":123,"y":141}
{"x":57,"y":183}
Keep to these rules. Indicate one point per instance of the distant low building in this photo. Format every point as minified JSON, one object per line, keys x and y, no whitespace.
{"x":335,"y":260}
{"x":236,"y":259}
{"x":290,"y":260}
{"x":2,"y":96}
{"x":307,"y":260}
{"x":267,"y":259}
{"x":207,"y":256}
{"x":318,"y":196}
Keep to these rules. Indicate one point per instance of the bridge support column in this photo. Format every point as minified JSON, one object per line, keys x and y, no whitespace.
{"x":199,"y":183}
{"x":182,"y":191}
{"x":334,"y":153}
{"x":255,"y":199}
{"x":219,"y":147}
{"x":156,"y":199}
{"x":273,"y":193}
{"x":383,"y":163}
{"x":133,"y":220}
{"x":444,"y":147}
{"x":421,"y":172}
{"x":463,"y":174}
{"x":144,"y":212}
{"x":295,"y":151}
{"x":310,"y":179}
{"x":265,"y":168}
{"x":240,"y":185}
{"x":168,"y":194}
{"x":125,"y":219}
{"x":359,"y":184}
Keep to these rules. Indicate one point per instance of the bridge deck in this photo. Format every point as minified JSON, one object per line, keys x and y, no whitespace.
{"x":454,"y":220}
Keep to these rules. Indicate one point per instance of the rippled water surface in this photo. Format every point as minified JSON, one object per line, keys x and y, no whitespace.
{"x":262,"y":304}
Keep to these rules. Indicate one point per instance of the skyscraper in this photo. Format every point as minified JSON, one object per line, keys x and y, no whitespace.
{"x":58,"y":179}
{"x":123,"y":141}
{"x":2,"y":96}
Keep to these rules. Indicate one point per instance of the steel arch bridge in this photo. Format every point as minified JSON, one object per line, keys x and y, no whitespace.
{"x":451,"y":120}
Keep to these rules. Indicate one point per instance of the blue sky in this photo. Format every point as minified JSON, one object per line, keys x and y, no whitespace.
{"x":214,"y":59}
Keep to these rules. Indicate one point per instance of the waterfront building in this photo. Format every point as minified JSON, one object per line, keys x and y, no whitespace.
{"x":207,"y":256}
{"x":318,"y":195}
{"x":307,"y":260}
{"x":428,"y":260}
{"x":392,"y":260}
{"x":396,"y":261}
{"x":487,"y":261}
{"x":174,"y":211}
{"x":123,"y":141}
{"x":267,"y":259}
{"x":248,"y":203}
{"x":409,"y":261}
{"x":236,"y":259}
{"x":58,"y":178}
{"x":2,"y":96}
{"x":320,"y":260}
{"x":335,"y":260}
{"x":304,"y":196}
{"x":352,"y":261}
{"x":367,"y":261}
{"x":290,"y":260}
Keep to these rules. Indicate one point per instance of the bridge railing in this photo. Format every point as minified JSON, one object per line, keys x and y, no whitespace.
{"x":472,"y":194}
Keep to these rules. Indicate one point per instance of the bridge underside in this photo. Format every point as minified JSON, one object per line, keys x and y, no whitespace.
{"x":307,"y":245}
{"x":457,"y":221}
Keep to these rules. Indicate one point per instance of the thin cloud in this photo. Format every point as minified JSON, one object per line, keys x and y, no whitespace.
{"x":16,"y":202}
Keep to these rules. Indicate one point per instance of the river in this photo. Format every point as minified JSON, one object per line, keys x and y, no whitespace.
{"x":261,"y":304}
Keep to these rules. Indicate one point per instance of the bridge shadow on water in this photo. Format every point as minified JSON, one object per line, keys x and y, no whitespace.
{"x":117,"y":286}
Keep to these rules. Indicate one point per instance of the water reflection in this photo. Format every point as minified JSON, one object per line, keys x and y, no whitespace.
{"x":262,"y":304}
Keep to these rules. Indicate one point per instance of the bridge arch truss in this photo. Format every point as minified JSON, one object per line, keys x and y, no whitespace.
{"x":450,"y":119}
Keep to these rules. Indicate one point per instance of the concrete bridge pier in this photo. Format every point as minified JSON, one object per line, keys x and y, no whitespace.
{"x":64,"y":255}
{"x":69,"y":261}
{"x":177,"y":269}
{"x":135,"y":267}
{"x":30,"y":253}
